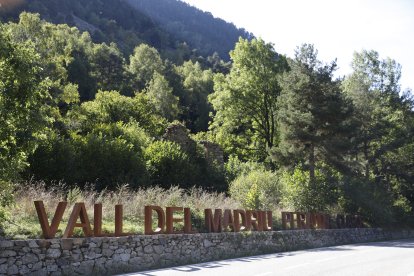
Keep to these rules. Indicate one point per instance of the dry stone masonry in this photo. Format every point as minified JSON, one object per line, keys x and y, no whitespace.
{"x":110,"y":255}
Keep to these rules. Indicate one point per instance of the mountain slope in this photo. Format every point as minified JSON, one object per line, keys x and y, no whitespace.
{"x":107,"y":20}
{"x":199,"y":29}
{"x":163,"y":24}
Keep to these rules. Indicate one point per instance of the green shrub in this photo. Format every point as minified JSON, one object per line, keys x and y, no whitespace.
{"x":168,"y":165}
{"x":6,"y":199}
{"x":235,"y":167}
{"x":258,"y":189}
{"x":300,"y":195}
{"x":109,"y":155}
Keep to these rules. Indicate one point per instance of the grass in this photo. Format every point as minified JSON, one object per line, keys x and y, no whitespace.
{"x":23,"y":222}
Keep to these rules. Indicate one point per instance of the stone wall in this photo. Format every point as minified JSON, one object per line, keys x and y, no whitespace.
{"x":179,"y":134}
{"x":213,"y":153}
{"x":109,"y":255}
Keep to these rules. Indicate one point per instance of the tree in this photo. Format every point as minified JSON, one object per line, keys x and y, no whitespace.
{"x":143,"y":64}
{"x":107,"y":65}
{"x":314,"y":116}
{"x":385,"y":134}
{"x":374,"y":89}
{"x":197,"y":85}
{"x":251,"y":89}
{"x":112,"y":107}
{"x":23,"y":110}
{"x":160,"y":94}
{"x":54,"y":44}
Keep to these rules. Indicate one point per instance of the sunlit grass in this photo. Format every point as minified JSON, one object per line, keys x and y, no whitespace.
{"x":23,"y":222}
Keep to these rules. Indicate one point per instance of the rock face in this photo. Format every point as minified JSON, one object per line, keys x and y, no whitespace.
{"x":110,"y":255}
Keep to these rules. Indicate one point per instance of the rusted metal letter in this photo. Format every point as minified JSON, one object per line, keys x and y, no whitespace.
{"x":79,"y":212}
{"x":49,"y":232}
{"x":320,"y":221}
{"x":170,"y":219}
{"x":228,"y":220}
{"x":252,"y":220}
{"x":97,"y":220}
{"x":187,"y":221}
{"x":302,"y":220}
{"x":119,"y":218}
{"x":340,"y":221}
{"x":288,"y":217}
{"x":266,"y":220}
{"x":148,"y":220}
{"x":239,"y":226}
{"x":213,"y":224}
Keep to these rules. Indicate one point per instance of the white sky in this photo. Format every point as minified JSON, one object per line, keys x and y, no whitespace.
{"x":336,"y":28}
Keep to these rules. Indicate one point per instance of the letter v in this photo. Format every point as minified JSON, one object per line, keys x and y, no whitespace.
{"x":49,"y":232}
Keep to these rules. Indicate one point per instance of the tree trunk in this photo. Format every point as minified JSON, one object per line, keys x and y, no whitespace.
{"x":312,"y":166}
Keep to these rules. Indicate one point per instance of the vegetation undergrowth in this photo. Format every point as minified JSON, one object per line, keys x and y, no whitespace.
{"x":23,"y":222}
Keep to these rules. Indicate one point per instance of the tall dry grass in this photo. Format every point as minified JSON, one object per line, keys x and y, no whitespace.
{"x":24,"y":224}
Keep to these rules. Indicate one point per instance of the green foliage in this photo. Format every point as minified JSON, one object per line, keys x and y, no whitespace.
{"x":160,"y":95}
{"x":81,"y":112}
{"x":197,"y":85}
{"x":251,"y":88}
{"x":111,"y":154}
{"x":6,"y":199}
{"x":168,"y":165}
{"x":143,"y":64}
{"x":258,"y":189}
{"x":383,"y":136}
{"x":314,"y":116}
{"x":234,"y":167}
{"x":111,"y":107}
{"x":107,"y":67}
{"x":299,"y":194}
{"x":23,"y":95}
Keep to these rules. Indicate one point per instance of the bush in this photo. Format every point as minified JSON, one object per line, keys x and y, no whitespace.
{"x":299,"y":195}
{"x":258,"y":189}
{"x":374,"y":202}
{"x":235,"y":167}
{"x":168,"y":165}
{"x":6,"y":199}
{"x":111,"y":154}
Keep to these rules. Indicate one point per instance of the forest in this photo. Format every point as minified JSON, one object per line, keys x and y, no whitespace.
{"x":79,"y":115}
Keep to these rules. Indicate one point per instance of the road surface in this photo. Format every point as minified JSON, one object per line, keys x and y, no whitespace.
{"x":380,"y":258}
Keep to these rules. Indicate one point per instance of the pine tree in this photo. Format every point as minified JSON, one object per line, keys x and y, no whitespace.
{"x":313,"y":114}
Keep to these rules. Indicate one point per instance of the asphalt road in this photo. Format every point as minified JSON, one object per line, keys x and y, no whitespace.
{"x":381,"y":258}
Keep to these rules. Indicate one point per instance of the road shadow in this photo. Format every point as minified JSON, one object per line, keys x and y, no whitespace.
{"x":218,"y":264}
{"x":406,"y":243}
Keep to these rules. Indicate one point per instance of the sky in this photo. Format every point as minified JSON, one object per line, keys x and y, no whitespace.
{"x":337,"y":28}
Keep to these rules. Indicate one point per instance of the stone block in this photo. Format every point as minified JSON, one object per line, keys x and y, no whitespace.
{"x":30,"y":258}
{"x":107,"y":252}
{"x":148,"y":249}
{"x":7,"y":253}
{"x":32,"y":244}
{"x":53,"y":253}
{"x":11,"y":270}
{"x":3,"y":268}
{"x":43,"y":243}
{"x":6,"y":244}
{"x":158,"y":249}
